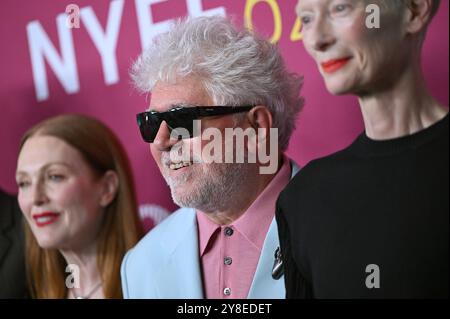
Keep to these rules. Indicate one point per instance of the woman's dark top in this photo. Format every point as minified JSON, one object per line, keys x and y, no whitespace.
{"x":371,"y":221}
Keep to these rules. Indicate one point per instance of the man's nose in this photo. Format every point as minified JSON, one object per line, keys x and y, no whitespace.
{"x":162,"y":141}
{"x":322,"y":36}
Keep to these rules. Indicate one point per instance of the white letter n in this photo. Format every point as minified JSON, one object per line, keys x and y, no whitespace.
{"x":65,"y":67}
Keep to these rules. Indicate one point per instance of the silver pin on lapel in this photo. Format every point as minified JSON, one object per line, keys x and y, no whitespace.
{"x":277,"y":269}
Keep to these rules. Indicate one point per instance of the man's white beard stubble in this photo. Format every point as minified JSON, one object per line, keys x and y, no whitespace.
{"x":208,"y":187}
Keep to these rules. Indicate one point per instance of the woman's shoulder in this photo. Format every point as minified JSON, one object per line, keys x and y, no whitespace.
{"x":320,"y":169}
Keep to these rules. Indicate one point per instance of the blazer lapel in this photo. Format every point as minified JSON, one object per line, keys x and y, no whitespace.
{"x":180,"y":275}
{"x":263,"y":285}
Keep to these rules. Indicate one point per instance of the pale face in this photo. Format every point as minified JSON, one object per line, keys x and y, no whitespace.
{"x":352,"y":58}
{"x":59,"y":194}
{"x":199,"y":185}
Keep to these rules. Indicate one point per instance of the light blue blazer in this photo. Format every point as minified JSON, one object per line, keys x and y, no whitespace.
{"x":166,"y":262}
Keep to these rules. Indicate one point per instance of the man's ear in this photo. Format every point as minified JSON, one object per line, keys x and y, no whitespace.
{"x":261,"y":120}
{"x":109,"y":186}
{"x":418,"y":15}
{"x":260,"y":117}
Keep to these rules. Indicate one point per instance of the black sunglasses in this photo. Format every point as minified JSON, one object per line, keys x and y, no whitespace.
{"x":181,"y":117}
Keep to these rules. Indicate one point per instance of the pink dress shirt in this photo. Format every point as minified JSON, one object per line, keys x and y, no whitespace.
{"x":229,"y":254}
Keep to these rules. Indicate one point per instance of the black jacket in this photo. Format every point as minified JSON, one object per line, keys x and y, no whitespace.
{"x":12,"y":263}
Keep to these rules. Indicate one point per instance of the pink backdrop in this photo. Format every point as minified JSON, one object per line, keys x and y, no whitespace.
{"x":81,"y":80}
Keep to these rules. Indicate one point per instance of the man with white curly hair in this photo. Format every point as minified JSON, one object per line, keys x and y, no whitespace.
{"x":206,"y":74}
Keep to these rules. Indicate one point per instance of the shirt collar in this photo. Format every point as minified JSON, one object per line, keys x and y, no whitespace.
{"x":206,"y":229}
{"x":261,"y":210}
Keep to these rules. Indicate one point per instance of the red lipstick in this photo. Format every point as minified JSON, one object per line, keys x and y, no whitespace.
{"x":45,"y":218}
{"x":334,"y":65}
